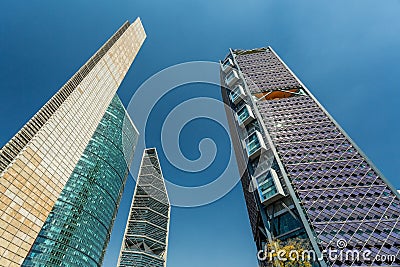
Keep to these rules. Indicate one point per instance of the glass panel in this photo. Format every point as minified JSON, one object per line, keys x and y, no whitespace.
{"x":286,"y":223}
{"x":243,"y":114}
{"x":234,"y":94}
{"x":266,"y":186}
{"x":227,"y":63}
{"x":252,"y":144}
{"x":77,"y":231}
{"x":230,"y":76}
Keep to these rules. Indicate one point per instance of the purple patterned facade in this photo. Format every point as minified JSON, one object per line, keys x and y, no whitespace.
{"x":309,"y":178}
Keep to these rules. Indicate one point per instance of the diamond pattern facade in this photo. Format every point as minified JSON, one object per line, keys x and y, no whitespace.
{"x":340,"y":194}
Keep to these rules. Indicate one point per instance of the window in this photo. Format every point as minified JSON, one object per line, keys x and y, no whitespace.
{"x":252,"y":144}
{"x":236,"y":94}
{"x":232,"y":78}
{"x":228,"y":64}
{"x":245,"y":115}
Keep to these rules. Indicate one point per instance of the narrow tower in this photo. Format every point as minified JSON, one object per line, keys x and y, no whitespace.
{"x":62,"y":174}
{"x":145,"y":241}
{"x":302,"y":175}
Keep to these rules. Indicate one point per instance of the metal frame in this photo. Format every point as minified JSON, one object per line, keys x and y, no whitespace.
{"x":338,"y":157}
{"x":134,"y":198}
{"x":340,"y":128}
{"x":292,"y":193}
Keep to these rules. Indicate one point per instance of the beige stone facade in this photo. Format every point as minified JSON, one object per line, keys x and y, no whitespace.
{"x":36,"y":164}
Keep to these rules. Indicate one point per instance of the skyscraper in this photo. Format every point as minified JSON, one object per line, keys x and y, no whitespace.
{"x":62,"y":174}
{"x":302,"y":175}
{"x":78,"y":228}
{"x":145,"y":241}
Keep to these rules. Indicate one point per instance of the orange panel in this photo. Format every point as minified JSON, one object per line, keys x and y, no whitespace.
{"x":276,"y":94}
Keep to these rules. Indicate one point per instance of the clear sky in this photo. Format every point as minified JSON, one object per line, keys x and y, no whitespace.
{"x":345,"y":51}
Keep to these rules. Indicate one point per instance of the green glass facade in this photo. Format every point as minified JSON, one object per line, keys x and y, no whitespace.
{"x":77,"y":231}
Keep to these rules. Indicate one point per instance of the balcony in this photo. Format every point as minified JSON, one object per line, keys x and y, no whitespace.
{"x":227,"y":65}
{"x":269,"y":187}
{"x":232,"y":78}
{"x":245,"y":115}
{"x":237,"y":94}
{"x":254,"y":145}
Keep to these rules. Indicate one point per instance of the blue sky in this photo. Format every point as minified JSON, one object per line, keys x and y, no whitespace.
{"x":345,"y":51}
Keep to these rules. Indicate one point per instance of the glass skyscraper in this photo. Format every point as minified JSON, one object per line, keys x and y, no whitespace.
{"x":78,"y":228}
{"x":301,"y":174}
{"x":63,"y":173}
{"x":145,"y":241}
